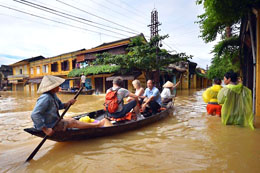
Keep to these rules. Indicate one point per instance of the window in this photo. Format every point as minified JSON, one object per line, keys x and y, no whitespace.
{"x":74,"y":63}
{"x":54,"y":67}
{"x":38,"y":70}
{"x":25,"y":69}
{"x":45,"y":68}
{"x":16,"y":70}
{"x":21,"y":71}
{"x":31,"y":70}
{"x":65,"y":66}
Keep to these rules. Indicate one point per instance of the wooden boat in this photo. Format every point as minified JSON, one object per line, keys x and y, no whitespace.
{"x":118,"y":127}
{"x":83,"y":92}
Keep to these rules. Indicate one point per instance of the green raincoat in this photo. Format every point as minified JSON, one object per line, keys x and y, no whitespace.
{"x":237,"y":105}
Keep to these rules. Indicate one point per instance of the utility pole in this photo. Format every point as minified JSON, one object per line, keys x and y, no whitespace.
{"x":155,"y":32}
{"x":154,"y":24}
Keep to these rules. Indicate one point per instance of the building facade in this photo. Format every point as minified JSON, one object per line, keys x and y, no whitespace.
{"x":101,"y":82}
{"x":59,"y":65}
{"x":21,"y":73}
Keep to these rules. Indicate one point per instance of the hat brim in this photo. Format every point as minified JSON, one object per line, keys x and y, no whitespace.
{"x":46,"y":85}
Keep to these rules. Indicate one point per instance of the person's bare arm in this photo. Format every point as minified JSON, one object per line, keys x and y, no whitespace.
{"x":133,"y":95}
{"x":146,"y":102}
{"x":72,"y":101}
{"x":176,"y":85}
{"x":142,"y":97}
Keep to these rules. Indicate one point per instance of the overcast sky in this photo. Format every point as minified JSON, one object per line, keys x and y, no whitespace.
{"x":24,"y":36}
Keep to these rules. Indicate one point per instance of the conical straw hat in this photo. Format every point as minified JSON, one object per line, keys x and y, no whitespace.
{"x":49,"y":82}
{"x":168,"y":84}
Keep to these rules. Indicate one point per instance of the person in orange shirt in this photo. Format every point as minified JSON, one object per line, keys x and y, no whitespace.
{"x":210,"y":97}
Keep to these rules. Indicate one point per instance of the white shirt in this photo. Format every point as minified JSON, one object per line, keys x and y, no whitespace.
{"x":83,"y":79}
{"x":166,"y":93}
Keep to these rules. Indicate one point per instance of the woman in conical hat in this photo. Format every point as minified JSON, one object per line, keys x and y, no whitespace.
{"x":166,"y":93}
{"x":44,"y":114}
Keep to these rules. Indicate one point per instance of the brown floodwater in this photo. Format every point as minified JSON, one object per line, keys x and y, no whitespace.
{"x":186,"y":141}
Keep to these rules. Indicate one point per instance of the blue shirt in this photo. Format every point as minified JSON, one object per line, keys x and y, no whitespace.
{"x":154,"y":92}
{"x":44,"y":113}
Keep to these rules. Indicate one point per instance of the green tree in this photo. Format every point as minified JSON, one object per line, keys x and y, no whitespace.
{"x":220,"y":14}
{"x":223,"y":18}
{"x":142,"y":56}
{"x":226,"y":57}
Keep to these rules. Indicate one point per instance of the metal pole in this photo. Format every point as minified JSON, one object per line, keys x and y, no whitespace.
{"x":254,"y":62}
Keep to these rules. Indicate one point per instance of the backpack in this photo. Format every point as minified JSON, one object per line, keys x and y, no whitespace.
{"x":111,"y":101}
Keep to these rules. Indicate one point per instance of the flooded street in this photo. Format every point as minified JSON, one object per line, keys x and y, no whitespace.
{"x":187,"y":141}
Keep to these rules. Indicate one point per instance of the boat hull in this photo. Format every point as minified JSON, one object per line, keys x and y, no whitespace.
{"x":84,"y":134}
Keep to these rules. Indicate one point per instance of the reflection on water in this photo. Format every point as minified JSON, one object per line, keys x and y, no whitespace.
{"x":187,"y":141}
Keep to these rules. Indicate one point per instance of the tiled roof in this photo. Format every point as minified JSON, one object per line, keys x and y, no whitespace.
{"x":110,"y":45}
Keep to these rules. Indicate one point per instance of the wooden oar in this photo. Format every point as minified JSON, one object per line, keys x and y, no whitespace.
{"x":46,"y":136}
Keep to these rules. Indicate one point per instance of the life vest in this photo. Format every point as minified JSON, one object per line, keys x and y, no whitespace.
{"x":111,"y":101}
{"x":129,"y":116}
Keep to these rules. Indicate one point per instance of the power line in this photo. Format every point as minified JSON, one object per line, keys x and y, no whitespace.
{"x":112,"y":10}
{"x":169,"y":47}
{"x":99,"y":10}
{"x":127,"y":31}
{"x":28,"y":20}
{"x":52,"y":11}
{"x":115,"y":4}
{"x":10,"y":8}
{"x":96,"y":16}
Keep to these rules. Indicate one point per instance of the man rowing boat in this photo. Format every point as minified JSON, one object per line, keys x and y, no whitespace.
{"x":45,"y":112}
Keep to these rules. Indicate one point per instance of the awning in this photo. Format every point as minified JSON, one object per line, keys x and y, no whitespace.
{"x":177,"y":68}
{"x":13,"y":81}
{"x":35,"y":81}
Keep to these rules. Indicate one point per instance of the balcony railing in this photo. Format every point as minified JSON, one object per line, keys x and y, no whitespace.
{"x":10,"y":77}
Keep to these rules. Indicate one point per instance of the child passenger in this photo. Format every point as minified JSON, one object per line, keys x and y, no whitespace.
{"x":210,"y":97}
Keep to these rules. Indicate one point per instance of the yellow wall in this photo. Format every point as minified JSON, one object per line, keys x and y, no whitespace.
{"x":205,"y":83}
{"x":130,"y":86}
{"x":16,"y":71}
{"x":71,"y":83}
{"x":257,"y":104}
{"x":193,"y":81}
{"x":185,"y":81}
{"x":48,"y":61}
{"x":24,"y":67}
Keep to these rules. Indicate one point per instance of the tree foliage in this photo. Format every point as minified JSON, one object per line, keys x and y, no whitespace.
{"x":227,"y":46}
{"x":142,"y":56}
{"x":226,"y":57}
{"x":219,"y":14}
{"x":218,"y":17}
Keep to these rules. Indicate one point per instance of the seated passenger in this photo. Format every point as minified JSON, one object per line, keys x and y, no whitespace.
{"x":166,"y":94}
{"x":121,"y":93}
{"x":45,"y":112}
{"x":152,"y":97}
{"x":139,"y":91}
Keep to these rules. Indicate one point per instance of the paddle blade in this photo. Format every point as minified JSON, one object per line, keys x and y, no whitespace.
{"x":36,"y":149}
